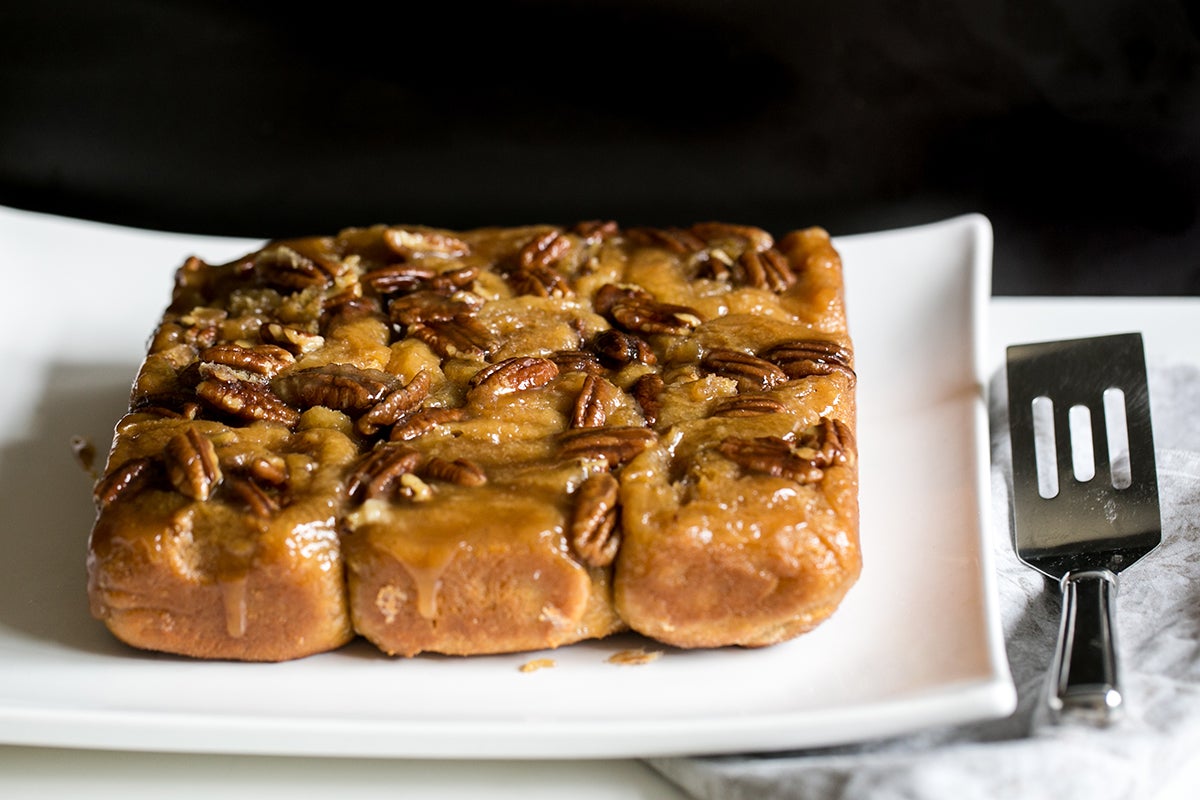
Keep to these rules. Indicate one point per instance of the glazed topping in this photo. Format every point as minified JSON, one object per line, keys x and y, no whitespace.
{"x":441,"y":363}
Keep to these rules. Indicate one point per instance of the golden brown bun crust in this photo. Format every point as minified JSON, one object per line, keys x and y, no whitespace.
{"x":487,"y":441}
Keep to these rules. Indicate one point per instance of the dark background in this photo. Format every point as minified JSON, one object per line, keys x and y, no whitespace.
{"x":1075,"y":126}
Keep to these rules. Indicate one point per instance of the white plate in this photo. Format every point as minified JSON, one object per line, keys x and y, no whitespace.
{"x":917,"y":642}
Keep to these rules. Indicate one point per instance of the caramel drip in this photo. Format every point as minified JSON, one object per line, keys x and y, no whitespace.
{"x":233,"y":596}
{"x":426,"y":569}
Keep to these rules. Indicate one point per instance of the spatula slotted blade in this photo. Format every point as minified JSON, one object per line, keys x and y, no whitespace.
{"x":1085,"y":495}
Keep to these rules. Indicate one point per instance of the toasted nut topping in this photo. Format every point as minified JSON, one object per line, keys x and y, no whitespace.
{"x":617,"y":348}
{"x":252,"y":496}
{"x":613,"y":445}
{"x":827,"y":443}
{"x":172,"y":405}
{"x":576,"y":361}
{"x":378,"y":473}
{"x":462,"y":336}
{"x":248,"y":401}
{"x":766,"y":270}
{"x":676,"y":240}
{"x":595,"y":230}
{"x":647,"y":390}
{"x":343,"y":387}
{"x":772,"y":455}
{"x":748,"y":405}
{"x":750,"y":372}
{"x":610,"y":295}
{"x":428,"y":305}
{"x":595,"y":535}
{"x":808,"y":357}
{"x":407,"y":242}
{"x":400,"y":402}
{"x":541,"y":280}
{"x":292,"y":339}
{"x":460,"y":471}
{"x":516,"y":374}
{"x":543,"y":250}
{"x":831,"y":441}
{"x":350,"y":304}
{"x":265,"y":360}
{"x":751,"y":237}
{"x":192,"y":464}
{"x":284,"y":268}
{"x":126,"y":479}
{"x":399,"y":278}
{"x":589,"y":410}
{"x":649,"y":316}
{"x":454,"y":279}
{"x":269,"y":469}
{"x":421,"y":422}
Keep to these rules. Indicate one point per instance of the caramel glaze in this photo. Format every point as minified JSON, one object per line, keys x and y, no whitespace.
{"x":389,"y":429}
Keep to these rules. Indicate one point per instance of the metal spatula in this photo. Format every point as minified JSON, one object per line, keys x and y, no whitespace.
{"x":1085,"y":496}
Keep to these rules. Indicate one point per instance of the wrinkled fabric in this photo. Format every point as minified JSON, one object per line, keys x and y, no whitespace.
{"x":1023,"y":755}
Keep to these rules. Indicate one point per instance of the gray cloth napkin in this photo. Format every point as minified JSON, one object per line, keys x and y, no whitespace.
{"x":1158,"y":633}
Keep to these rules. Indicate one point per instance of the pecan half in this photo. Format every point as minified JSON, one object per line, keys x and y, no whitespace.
{"x":829,"y":442}
{"x":378,"y":473}
{"x":410,"y":242}
{"x":269,"y":469}
{"x":426,"y":305}
{"x":252,"y":496}
{"x":452,"y":280}
{"x":610,"y":294}
{"x":350,"y":304}
{"x":516,"y":374}
{"x":200,"y":327}
{"x":247,"y":401}
{"x":463,"y":336}
{"x":540,"y":280}
{"x":748,"y":405}
{"x":676,"y":240}
{"x":265,"y":360}
{"x":772,"y":455}
{"x":805,"y":460}
{"x":576,"y":361}
{"x":647,"y":390}
{"x":595,"y":230}
{"x":807,"y":357}
{"x":281,"y":267}
{"x":390,"y":409}
{"x":422,"y":422}
{"x":751,"y":237}
{"x":398,"y":277}
{"x":595,"y":535}
{"x":343,"y":387}
{"x":543,"y":250}
{"x":589,"y":410}
{"x":766,"y":270}
{"x":651,"y":316}
{"x":460,"y":471}
{"x":614,"y":445}
{"x":750,"y":372}
{"x":173,"y":405}
{"x":192,"y":464}
{"x":126,"y":479}
{"x":617,"y":348}
{"x":292,"y":339}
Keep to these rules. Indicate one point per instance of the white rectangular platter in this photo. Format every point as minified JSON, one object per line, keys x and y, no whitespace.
{"x":917,"y":642}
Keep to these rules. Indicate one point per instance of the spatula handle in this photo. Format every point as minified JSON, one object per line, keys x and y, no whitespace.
{"x":1085,"y":669}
